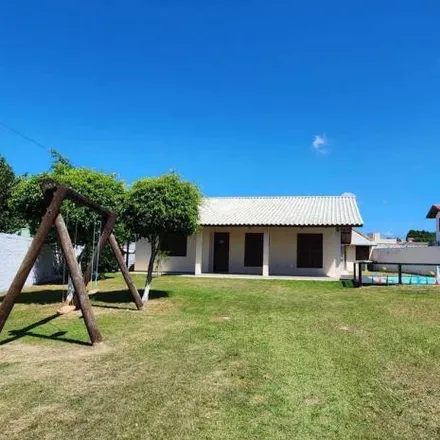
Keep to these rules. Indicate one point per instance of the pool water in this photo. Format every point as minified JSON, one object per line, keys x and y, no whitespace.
{"x":394,"y":279}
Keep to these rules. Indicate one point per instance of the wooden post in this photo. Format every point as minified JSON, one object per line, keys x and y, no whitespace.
{"x":31,"y":256}
{"x":360,"y":274}
{"x":78,"y":282}
{"x":120,"y":259}
{"x":400,"y":273}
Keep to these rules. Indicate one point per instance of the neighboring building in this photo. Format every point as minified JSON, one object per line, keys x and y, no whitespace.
{"x":359,"y":249}
{"x":263,"y":236}
{"x":434,"y":213}
{"x":382,"y":241}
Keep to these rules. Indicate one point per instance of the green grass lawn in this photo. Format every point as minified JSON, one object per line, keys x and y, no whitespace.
{"x":225,"y":359}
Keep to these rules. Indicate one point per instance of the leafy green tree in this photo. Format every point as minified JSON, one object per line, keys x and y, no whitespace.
{"x":421,"y":236}
{"x":9,"y":220}
{"x":159,"y":206}
{"x":105,"y":189}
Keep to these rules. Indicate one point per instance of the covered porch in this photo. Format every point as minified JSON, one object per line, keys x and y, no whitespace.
{"x":268,"y":251}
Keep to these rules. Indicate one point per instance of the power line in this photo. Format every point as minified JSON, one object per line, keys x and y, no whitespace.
{"x":13,"y":130}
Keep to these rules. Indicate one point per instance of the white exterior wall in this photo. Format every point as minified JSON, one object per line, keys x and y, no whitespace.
{"x":282,"y":252}
{"x":169,"y":264}
{"x":13,"y":248}
{"x":350,"y":258}
{"x":283,"y":249}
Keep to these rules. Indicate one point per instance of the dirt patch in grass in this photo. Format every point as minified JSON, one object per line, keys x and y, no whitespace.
{"x":416,"y":395}
{"x":161,"y":306}
{"x":220,"y":319}
{"x":414,"y":310}
{"x":39,"y":362}
{"x":351,"y":329}
{"x":29,"y":420}
{"x":312,"y":401}
{"x":37,"y":353}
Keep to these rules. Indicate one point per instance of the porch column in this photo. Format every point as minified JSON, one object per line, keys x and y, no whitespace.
{"x":266,"y":253}
{"x":339,"y":266}
{"x":199,"y":248}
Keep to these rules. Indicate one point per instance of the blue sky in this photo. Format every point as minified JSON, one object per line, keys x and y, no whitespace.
{"x":244,"y":98}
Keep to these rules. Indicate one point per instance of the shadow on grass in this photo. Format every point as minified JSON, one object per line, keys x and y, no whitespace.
{"x":26,"y":331}
{"x":57,"y":296}
{"x":349,"y":284}
{"x":122,"y":297}
{"x":41,"y":297}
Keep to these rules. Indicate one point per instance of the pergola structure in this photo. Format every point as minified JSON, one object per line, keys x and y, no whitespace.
{"x":54,"y":195}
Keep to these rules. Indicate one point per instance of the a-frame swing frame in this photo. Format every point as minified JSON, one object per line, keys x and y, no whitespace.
{"x":54,"y":195}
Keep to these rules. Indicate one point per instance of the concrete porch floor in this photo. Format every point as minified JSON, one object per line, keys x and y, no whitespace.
{"x":243,"y":276}
{"x":259,"y":277}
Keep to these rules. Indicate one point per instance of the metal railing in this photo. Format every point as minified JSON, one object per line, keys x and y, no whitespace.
{"x":359,"y":270}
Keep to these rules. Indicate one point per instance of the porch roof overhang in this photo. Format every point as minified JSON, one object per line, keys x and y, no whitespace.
{"x":360,"y":239}
{"x":302,"y":211}
{"x":432,"y":213}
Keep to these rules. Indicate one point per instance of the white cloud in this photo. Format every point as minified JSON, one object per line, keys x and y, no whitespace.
{"x":388,"y":234}
{"x":320,"y":143}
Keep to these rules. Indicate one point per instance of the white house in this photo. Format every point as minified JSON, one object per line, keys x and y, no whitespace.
{"x":263,"y":236}
{"x":434,"y":213}
{"x":360,"y":248}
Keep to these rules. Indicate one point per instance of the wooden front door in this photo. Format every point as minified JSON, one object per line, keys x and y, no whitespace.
{"x":221,"y":252}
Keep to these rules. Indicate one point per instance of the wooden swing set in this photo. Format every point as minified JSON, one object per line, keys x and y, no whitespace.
{"x":54,"y":195}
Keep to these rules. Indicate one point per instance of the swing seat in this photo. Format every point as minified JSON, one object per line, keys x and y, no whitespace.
{"x":67,"y":308}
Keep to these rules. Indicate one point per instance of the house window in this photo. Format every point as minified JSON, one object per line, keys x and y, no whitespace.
{"x":362,"y":253}
{"x":174,"y":245}
{"x":253,"y":250}
{"x":310,"y":251}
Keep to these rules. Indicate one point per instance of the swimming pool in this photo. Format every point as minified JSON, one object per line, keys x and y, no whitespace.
{"x":394,"y":279}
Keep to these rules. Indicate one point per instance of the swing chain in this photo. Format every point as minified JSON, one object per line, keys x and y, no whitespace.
{"x":98,"y":252}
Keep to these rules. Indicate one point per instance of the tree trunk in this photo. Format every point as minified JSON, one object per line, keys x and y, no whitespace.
{"x":149,"y":278}
{"x":127,"y":254}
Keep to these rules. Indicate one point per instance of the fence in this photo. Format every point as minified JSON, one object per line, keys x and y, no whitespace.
{"x":415,"y":260}
{"x":364,"y":274}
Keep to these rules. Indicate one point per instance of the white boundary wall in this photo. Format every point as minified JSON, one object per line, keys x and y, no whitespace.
{"x":13,"y":248}
{"x":404,"y":255}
